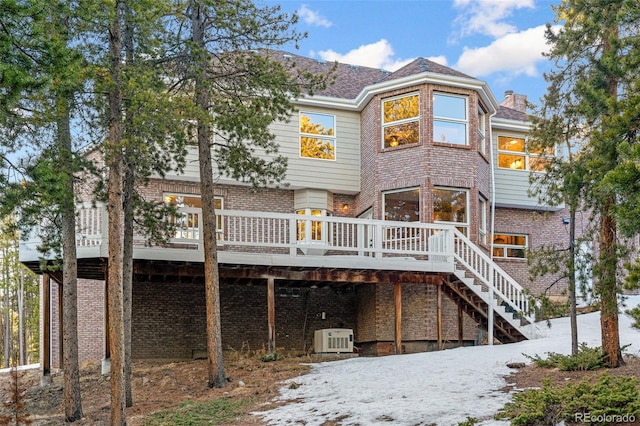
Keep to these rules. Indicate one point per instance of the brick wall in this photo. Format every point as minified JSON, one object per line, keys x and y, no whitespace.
{"x":169,"y":318}
{"x":90,"y":322}
{"x":543,"y":228}
{"x":376,"y":318}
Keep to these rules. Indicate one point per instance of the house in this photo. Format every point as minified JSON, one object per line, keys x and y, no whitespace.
{"x":406,"y":219}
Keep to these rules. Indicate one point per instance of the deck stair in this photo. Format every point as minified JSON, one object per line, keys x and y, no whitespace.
{"x":488,"y":294}
{"x":508,"y":326}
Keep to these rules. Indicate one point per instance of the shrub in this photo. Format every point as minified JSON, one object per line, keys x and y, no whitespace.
{"x":585,"y":360}
{"x":609,"y":396}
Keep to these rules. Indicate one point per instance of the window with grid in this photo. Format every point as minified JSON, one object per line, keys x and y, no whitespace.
{"x":450,"y":119}
{"x":513,"y":154}
{"x":317,"y":136}
{"x":400,"y":121}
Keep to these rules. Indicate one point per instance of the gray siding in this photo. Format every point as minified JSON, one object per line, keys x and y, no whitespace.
{"x":341,"y":175}
{"x":511,"y":186}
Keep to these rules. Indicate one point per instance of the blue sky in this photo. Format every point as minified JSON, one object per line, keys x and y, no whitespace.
{"x":498,"y":41}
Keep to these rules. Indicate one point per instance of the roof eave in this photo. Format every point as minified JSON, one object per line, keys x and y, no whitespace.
{"x":368,"y":92}
{"x":506,"y":124}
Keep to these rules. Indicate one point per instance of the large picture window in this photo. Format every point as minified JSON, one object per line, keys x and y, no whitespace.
{"x":450,"y":119}
{"x":402,"y":205}
{"x":317,"y":136}
{"x":509,"y":246}
{"x":189,"y":223}
{"x":450,"y":205}
{"x":401,"y":120}
{"x":513,"y":154}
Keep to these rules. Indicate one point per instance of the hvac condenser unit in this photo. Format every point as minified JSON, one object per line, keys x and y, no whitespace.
{"x":333,"y":340}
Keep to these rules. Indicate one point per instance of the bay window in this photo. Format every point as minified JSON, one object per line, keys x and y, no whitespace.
{"x":188,"y":223}
{"x":311,"y":230}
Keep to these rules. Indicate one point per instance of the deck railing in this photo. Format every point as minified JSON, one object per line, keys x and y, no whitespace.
{"x":302,"y":235}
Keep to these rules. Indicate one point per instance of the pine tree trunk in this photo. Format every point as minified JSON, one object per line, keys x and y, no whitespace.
{"x":572,"y":281}
{"x":7,"y":309}
{"x":21,"y":340}
{"x":608,"y":290}
{"x":127,"y":265}
{"x":608,"y":258}
{"x":127,"y":278}
{"x":70,"y":363}
{"x":216,"y":377}
{"x":115,"y":223}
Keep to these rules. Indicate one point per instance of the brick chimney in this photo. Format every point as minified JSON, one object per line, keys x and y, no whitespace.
{"x":514,"y":101}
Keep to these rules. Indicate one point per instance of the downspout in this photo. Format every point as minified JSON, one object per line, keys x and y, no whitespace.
{"x":490,"y":324}
{"x":493,"y":186}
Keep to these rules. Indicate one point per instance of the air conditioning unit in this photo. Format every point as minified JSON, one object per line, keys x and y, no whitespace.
{"x":333,"y":340}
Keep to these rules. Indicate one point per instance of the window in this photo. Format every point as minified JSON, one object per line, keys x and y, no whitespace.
{"x":509,"y":246}
{"x":401,"y":121}
{"x":450,"y":206}
{"x":482,"y":226}
{"x":450,"y":119}
{"x":317,"y":136}
{"x":316,"y":232}
{"x":402,"y":205}
{"x":188,"y":223}
{"x":482,"y":127}
{"x":513,"y":154}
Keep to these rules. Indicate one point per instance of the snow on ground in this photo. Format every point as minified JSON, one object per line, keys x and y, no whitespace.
{"x":442,"y":388}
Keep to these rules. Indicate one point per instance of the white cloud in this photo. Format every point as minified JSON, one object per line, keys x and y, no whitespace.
{"x":487,"y":16}
{"x":442,"y":60}
{"x":313,"y":17}
{"x":375,"y":55}
{"x":516,"y":53}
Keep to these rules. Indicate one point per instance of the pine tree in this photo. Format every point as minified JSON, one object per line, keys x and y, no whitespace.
{"x":596,"y":59}
{"x":239,"y":89}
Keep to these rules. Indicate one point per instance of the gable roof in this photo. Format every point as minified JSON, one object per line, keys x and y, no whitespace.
{"x":422,"y":65}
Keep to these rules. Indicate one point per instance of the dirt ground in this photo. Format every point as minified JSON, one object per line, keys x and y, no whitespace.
{"x":157,"y":385}
{"x":163,"y":385}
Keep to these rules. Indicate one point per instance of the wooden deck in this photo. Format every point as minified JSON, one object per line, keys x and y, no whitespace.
{"x":331,"y":250}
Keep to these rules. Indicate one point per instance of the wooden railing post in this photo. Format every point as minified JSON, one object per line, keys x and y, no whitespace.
{"x":293,"y":236}
{"x":490,"y":307}
{"x":377,"y":243}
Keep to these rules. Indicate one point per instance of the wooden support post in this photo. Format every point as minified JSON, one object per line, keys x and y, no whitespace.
{"x":397,"y":298}
{"x":60,"y":325}
{"x":45,"y":351}
{"x":271,"y":310}
{"x":106,"y":361}
{"x":460,"y":326}
{"x":439,"y":314}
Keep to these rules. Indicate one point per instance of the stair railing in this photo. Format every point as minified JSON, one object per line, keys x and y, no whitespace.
{"x":504,"y":288}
